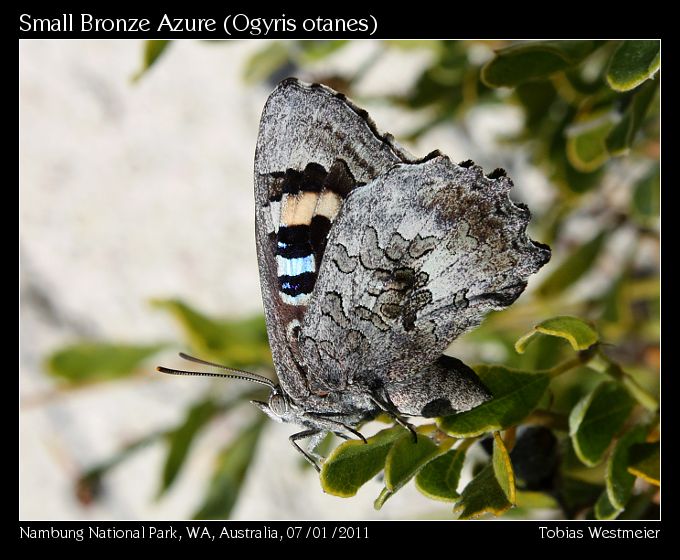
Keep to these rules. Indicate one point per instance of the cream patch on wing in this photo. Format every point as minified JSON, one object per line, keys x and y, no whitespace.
{"x":298,"y":209}
{"x":328,"y":205}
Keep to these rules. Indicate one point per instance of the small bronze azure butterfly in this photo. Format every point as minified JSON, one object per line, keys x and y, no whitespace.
{"x":371,"y":263}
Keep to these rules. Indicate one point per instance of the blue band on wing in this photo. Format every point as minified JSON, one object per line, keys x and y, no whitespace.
{"x":295,"y":267}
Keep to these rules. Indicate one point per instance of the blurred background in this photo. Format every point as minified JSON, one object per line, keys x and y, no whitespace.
{"x":137,"y":241}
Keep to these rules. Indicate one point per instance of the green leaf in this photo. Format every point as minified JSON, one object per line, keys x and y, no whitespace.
{"x":577,"y":494}
{"x":266,"y":61}
{"x":620,"y":138}
{"x":604,"y":509}
{"x":532,"y":500}
{"x":596,"y":419}
{"x":439,"y":479}
{"x":181,"y":438}
{"x":587,"y":142}
{"x":482,"y":495}
{"x":573,"y":267}
{"x":153,"y":49}
{"x":534,"y":60}
{"x":571,"y":466}
{"x":576,"y":181}
{"x":554,"y":143}
{"x":354,"y":462}
{"x":544,"y":353}
{"x":619,"y":480}
{"x":646,"y":202}
{"x":537,"y":98}
{"x":492,"y":490}
{"x":515,"y":395}
{"x":577,"y":332}
{"x":230,"y":471}
{"x":641,"y":506}
{"x":502,"y":468}
{"x":645,"y":462}
{"x":633,"y":63}
{"x":405,"y":459}
{"x":239,"y":343}
{"x":98,"y":361}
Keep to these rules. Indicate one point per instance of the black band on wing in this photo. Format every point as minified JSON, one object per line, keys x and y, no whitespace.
{"x":291,"y":235}
{"x":292,"y":181}
{"x":296,"y":285}
{"x":313,"y":178}
{"x":319,"y":229}
{"x":340,"y":179}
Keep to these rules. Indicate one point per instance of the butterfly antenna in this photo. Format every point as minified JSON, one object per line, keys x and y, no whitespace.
{"x":250,"y":374}
{"x":235,"y":373}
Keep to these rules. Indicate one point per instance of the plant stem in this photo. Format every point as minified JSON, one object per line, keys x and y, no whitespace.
{"x":603,"y":364}
{"x":566,"y":366}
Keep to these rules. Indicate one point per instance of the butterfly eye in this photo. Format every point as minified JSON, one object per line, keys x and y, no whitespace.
{"x":278,"y":405}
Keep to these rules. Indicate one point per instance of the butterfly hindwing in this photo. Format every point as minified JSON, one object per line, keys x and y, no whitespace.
{"x":415,"y":259}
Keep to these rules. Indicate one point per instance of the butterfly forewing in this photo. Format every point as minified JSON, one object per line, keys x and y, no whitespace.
{"x":314,"y":148}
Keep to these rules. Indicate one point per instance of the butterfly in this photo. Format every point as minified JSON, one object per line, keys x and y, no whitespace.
{"x":372,"y":262}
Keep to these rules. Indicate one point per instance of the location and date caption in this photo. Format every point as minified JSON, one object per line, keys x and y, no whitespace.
{"x":198,"y":532}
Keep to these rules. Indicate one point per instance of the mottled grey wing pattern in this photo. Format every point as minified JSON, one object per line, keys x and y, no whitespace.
{"x":415,"y":259}
{"x":311,"y":122}
{"x":303,"y":124}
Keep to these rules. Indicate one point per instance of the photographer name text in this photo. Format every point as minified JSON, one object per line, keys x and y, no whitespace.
{"x":597,"y":532}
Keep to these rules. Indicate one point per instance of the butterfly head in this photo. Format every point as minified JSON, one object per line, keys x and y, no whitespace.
{"x":280,"y":407}
{"x":278,"y":402}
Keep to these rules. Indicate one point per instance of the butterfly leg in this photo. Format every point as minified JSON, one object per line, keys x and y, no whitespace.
{"x":323,"y":422}
{"x":386,"y":406}
{"x":351,"y":431}
{"x":316,"y":436}
{"x":314,"y":443}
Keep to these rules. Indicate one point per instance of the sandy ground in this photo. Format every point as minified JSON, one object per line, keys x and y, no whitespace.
{"x":135,"y":191}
